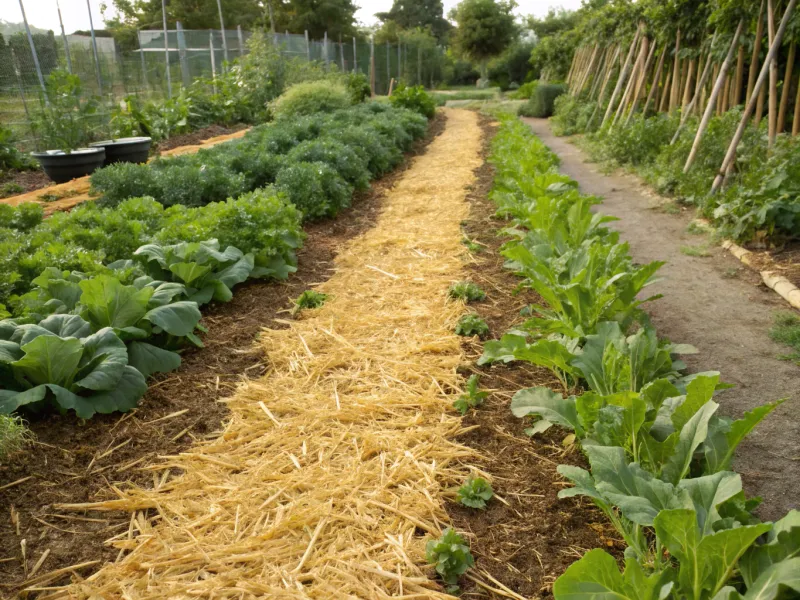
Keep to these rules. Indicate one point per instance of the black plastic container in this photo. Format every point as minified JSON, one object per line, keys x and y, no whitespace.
{"x":131,"y":150}
{"x":61,"y":167}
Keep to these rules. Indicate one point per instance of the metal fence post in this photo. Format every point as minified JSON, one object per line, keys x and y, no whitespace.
{"x":94,"y":49}
{"x":185,"y":76}
{"x":213,"y":59}
{"x":325,"y":49}
{"x":341,"y":53}
{"x":419,"y":64}
{"x":222,"y":27}
{"x":388,"y":66}
{"x":372,"y":63}
{"x":308,"y":47}
{"x":166,"y":46}
{"x":355,"y":56}
{"x":399,"y":59}
{"x":241,"y":40}
{"x":33,"y":51}
{"x":141,"y":55}
{"x":15,"y":66}
{"x":64,"y":39}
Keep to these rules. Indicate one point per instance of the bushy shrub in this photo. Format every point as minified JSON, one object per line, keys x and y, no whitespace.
{"x":315,"y":188}
{"x":414,"y":98}
{"x":310,"y":98}
{"x":339,"y":156}
{"x":542,"y":102}
{"x":10,"y":157}
{"x":358,"y":87}
{"x":641,"y":140}
{"x":121,"y":181}
{"x":572,"y":115}
{"x":525,"y":91}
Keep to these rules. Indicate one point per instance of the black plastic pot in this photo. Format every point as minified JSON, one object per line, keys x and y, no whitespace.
{"x":62,"y":167}
{"x":132,"y":149}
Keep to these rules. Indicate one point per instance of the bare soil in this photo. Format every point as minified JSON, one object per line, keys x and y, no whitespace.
{"x":526,"y":537}
{"x":195,"y":137}
{"x":35,"y":179}
{"x":717,"y":305}
{"x":74,"y":461}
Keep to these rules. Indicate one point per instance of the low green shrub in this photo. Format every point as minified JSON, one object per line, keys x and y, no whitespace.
{"x":311,"y":97}
{"x":315,"y":188}
{"x":358,"y":86}
{"x":542,"y":102}
{"x":572,"y":115}
{"x":414,"y":98}
{"x":340,"y":157}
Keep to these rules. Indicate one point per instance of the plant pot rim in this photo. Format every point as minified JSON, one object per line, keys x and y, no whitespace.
{"x":47,"y":153}
{"x":121,"y":141}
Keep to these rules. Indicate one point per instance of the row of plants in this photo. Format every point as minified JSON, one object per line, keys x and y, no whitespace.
{"x":659,"y":453}
{"x":108,"y":294}
{"x":760,"y":201}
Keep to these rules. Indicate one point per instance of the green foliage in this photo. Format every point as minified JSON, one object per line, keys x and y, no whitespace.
{"x":542,"y":101}
{"x":309,"y":299}
{"x":421,"y":14}
{"x":466,"y":291}
{"x":10,"y":157}
{"x":485,"y":28}
{"x":786,"y":330}
{"x":358,"y":87}
{"x":414,"y":98}
{"x":512,"y":67}
{"x":310,"y":98}
{"x":451,"y":557}
{"x":14,"y":436}
{"x":68,"y":120}
{"x":314,"y":188}
{"x":470,"y":325}
{"x":472,"y":396}
{"x":572,"y":115}
{"x":475,"y":492}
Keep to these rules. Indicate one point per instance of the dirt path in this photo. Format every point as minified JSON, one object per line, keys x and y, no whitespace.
{"x":725,"y":316}
{"x":329,"y":478}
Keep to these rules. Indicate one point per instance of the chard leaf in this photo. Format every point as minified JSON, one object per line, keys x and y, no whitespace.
{"x":50,"y":359}
{"x":708,"y":492}
{"x":203,"y":295}
{"x":164,"y":292}
{"x":103,"y":361}
{"x":222,"y":293}
{"x":178,"y":318}
{"x":699,"y":391}
{"x":108,"y":303}
{"x":149,"y":359}
{"x":153,"y":252}
{"x":9,"y":351}
{"x":25,"y":334}
{"x":549,"y":405}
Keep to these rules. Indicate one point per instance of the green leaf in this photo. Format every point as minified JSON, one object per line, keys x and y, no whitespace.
{"x":549,"y":405}
{"x":125,"y":396}
{"x":237,"y":272}
{"x":103,"y":361}
{"x":189,"y":272}
{"x":9,"y":351}
{"x":149,"y":359}
{"x":776,"y":581}
{"x":67,"y":326}
{"x":178,"y":318}
{"x":686,"y":441}
{"x":10,"y":401}
{"x":708,"y":492}
{"x":164,"y":292}
{"x":783,"y":543}
{"x":108,"y":303}
{"x":50,"y":359}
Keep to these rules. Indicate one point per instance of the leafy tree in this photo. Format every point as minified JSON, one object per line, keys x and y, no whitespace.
{"x":337,"y":17}
{"x":556,"y":21}
{"x":146,"y":14}
{"x":485,"y":28}
{"x":425,"y":14}
{"x":513,"y":65}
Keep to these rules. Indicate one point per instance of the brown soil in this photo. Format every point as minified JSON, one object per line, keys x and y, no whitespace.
{"x":195,"y":137}
{"x":74,"y":461}
{"x":27,"y":180}
{"x":719,"y":306}
{"x":784,"y":261}
{"x":527,"y":539}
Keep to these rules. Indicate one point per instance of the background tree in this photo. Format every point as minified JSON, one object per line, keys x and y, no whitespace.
{"x":425,"y":14}
{"x":337,"y":17}
{"x":485,"y":29}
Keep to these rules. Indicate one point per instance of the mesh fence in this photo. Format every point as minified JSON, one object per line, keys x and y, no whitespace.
{"x":186,"y":56}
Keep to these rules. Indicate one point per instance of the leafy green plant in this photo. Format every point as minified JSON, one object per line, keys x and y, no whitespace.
{"x":475,"y":492}
{"x":311,"y":97}
{"x":10,"y":158}
{"x":472,"y":396}
{"x":358,"y":87}
{"x":67,"y":121}
{"x":315,"y":188}
{"x":451,"y":557}
{"x":309,"y":299}
{"x":466,"y":291}
{"x":542,"y":100}
{"x":414,"y":98}
{"x":470,"y":325}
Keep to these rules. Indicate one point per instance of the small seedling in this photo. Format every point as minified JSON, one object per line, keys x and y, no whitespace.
{"x":695,"y":228}
{"x":10,"y":189}
{"x":472,"y":245}
{"x":471,"y":324}
{"x":475,"y":492}
{"x":471,"y":398}
{"x":466,"y":291}
{"x":671,"y":208}
{"x":730,"y":272}
{"x":309,"y":299}
{"x":697,"y":251}
{"x":451,"y":557}
{"x":786,"y":330}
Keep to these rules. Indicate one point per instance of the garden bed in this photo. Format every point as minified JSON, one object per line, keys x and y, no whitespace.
{"x":75,"y":461}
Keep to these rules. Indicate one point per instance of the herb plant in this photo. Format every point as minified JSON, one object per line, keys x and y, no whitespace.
{"x":466,"y":291}
{"x":470,"y":325}
{"x":475,"y":492}
{"x":472,"y":396}
{"x":451,"y":557}
{"x":309,"y":299}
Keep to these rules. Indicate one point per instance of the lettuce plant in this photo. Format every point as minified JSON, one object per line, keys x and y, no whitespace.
{"x":451,"y":557}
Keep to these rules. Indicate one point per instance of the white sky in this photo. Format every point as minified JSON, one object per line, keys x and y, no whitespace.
{"x":43,"y":14}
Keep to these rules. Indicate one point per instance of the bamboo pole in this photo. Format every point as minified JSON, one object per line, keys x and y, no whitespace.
{"x":587,"y":73}
{"x":773,"y":78}
{"x":722,"y":107}
{"x":676,"y":74}
{"x":642,"y":84}
{"x":796,"y":119}
{"x":737,"y":90}
{"x":751,"y":75}
{"x":601,"y":72}
{"x":762,"y":76}
{"x":602,"y":94}
{"x":687,"y":90}
{"x":698,"y":90}
{"x":575,"y":58}
{"x":631,"y":81}
{"x":664,"y":104}
{"x":656,"y":80}
{"x":622,"y":77}
{"x":712,"y":101}
{"x":787,"y":84}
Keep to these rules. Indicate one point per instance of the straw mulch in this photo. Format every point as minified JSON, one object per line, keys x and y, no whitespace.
{"x":329,"y":478}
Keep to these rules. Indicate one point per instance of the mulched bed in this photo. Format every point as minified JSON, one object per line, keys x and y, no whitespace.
{"x":21,"y":182}
{"x":527,"y":539}
{"x":74,"y":461}
{"x":195,"y":137}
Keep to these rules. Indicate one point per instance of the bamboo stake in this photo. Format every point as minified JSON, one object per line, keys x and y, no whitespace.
{"x":622,"y":77}
{"x":737,"y":90}
{"x":571,"y":67}
{"x":724,"y":96}
{"x":796,"y":120}
{"x":656,"y":80}
{"x":676,"y":74}
{"x":601,"y":72}
{"x":712,"y":101}
{"x":762,"y":76}
{"x":751,"y":75}
{"x":587,"y":73}
{"x":631,"y":81}
{"x":773,"y":79}
{"x":700,"y":87}
{"x":687,"y":88}
{"x":787,"y":84}
{"x":664,"y":104}
{"x":642,"y":84}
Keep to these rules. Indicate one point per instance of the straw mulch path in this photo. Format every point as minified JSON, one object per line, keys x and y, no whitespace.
{"x":329,"y":478}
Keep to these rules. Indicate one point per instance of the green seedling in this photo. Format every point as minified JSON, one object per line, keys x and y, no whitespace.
{"x":470,"y":325}
{"x":451,"y":557}
{"x":309,"y":299}
{"x":471,"y":398}
{"x":466,"y":291}
{"x":475,"y":492}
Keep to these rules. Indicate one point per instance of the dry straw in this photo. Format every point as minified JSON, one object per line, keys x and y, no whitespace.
{"x":329,"y":477}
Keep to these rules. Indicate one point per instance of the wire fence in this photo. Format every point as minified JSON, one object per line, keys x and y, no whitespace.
{"x":159,"y":68}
